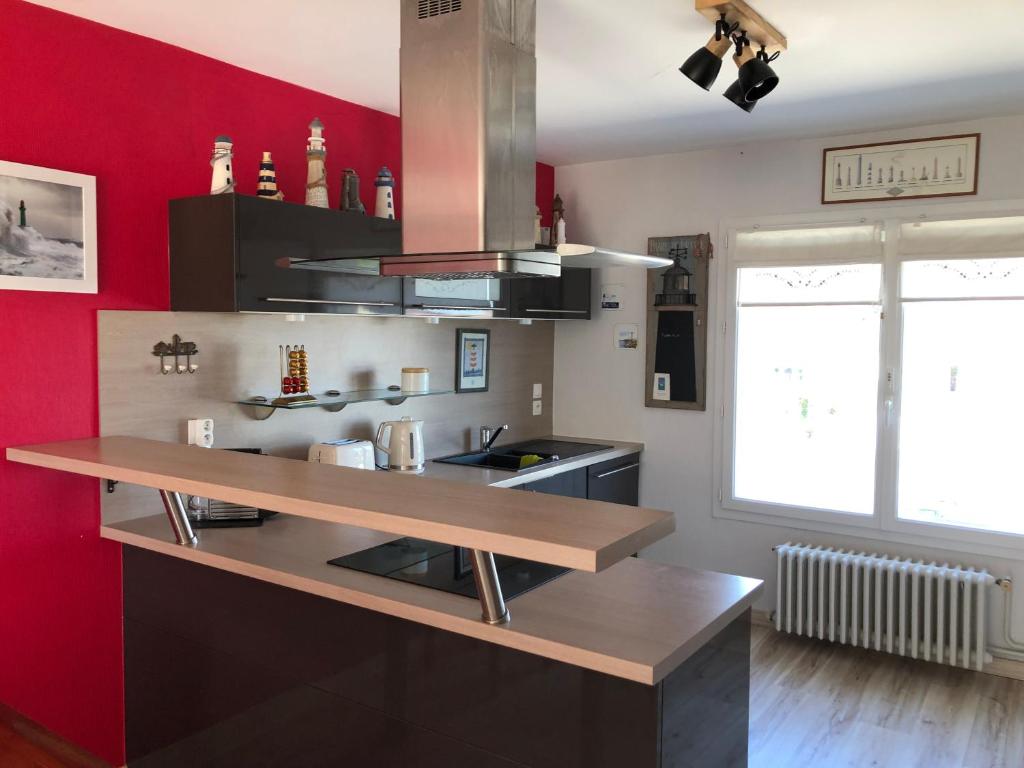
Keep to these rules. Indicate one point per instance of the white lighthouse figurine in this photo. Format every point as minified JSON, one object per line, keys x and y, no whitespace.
{"x":385,"y":183}
{"x":316,"y":169}
{"x":223,"y":179}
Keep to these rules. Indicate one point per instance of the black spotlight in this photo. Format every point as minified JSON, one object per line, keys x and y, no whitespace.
{"x":756,"y":78}
{"x":705,"y":63}
{"x":734,"y":93}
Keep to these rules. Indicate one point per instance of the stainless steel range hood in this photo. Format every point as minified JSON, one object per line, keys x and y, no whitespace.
{"x":468,"y":80}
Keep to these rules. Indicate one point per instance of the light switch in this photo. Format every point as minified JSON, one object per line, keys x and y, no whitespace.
{"x":538,"y":391}
{"x":537,"y":407}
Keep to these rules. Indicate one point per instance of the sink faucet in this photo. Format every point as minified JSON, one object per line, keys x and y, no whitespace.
{"x":489,"y":434}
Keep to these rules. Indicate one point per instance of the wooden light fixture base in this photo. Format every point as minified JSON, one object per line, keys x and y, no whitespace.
{"x":760,"y":31}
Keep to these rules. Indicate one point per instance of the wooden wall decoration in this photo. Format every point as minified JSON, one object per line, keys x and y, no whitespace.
{"x":677,"y":319}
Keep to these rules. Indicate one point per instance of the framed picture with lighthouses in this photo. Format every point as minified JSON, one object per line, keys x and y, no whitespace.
{"x":677,"y":319}
{"x":47,"y":229}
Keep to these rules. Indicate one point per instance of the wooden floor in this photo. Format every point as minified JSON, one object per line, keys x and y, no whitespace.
{"x":811,"y":704}
{"x":818,"y":704}
{"x":23,"y":744}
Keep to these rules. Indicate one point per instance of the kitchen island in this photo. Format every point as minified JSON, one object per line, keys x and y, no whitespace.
{"x":247,"y":648}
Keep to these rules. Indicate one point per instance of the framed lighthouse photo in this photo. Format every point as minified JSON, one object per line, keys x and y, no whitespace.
{"x":47,"y":229}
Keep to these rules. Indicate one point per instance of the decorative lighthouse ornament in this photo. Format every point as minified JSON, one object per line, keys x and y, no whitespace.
{"x":350,"y":192}
{"x":316,"y":167}
{"x":557,"y":215}
{"x":385,"y":183}
{"x":267,"y":185}
{"x":223,"y":179}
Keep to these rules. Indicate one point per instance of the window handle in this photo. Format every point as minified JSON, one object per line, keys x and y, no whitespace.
{"x":890,"y":396}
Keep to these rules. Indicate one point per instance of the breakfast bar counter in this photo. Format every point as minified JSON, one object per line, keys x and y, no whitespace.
{"x":245,"y":643}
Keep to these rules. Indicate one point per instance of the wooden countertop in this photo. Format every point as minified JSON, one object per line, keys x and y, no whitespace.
{"x":574,"y":533}
{"x":636,"y":620}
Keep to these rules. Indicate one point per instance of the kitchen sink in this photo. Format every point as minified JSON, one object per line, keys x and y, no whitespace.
{"x":507,"y":457}
{"x":497,"y":458}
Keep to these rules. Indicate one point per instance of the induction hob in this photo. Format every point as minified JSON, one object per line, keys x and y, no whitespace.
{"x":444,"y":567}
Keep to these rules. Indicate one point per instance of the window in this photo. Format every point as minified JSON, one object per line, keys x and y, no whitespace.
{"x":840,"y":409}
{"x":806,"y":384}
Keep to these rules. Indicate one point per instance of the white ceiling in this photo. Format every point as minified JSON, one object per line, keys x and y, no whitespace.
{"x":607,"y":80}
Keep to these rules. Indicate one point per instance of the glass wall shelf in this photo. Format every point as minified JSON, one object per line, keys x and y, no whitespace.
{"x":334,"y":401}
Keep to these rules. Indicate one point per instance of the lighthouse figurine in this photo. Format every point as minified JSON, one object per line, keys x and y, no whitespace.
{"x":267,"y":185}
{"x":316,"y":168}
{"x":385,"y":183}
{"x":223,"y":179}
{"x":350,"y":192}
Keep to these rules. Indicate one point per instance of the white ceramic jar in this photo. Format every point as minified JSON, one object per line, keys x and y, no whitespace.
{"x":415,"y":379}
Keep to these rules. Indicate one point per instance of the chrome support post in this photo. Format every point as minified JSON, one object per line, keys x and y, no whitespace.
{"x":489,"y":588}
{"x":178,"y":517}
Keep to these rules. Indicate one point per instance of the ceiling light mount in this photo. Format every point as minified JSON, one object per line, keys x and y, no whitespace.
{"x":723,"y":28}
{"x":737,"y":26}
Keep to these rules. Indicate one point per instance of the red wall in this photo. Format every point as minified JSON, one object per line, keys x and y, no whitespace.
{"x":141,"y":117}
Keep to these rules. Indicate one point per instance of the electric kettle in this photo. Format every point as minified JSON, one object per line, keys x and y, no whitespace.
{"x":399,"y":445}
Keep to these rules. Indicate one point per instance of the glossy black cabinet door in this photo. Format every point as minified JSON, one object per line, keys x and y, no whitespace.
{"x":549,"y":298}
{"x":617,"y":480}
{"x":272,"y":237}
{"x":572,"y":483}
{"x":267,"y":283}
{"x":234,"y":253}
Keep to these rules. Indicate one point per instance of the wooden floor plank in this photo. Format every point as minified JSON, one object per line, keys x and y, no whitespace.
{"x":818,"y":703}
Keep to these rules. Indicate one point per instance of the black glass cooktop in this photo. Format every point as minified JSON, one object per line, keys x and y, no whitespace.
{"x":444,"y":567}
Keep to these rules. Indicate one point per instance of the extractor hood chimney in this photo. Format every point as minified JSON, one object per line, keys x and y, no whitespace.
{"x":468,"y":89}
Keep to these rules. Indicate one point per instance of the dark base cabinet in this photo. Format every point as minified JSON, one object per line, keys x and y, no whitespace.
{"x":572,"y":483}
{"x":223,"y":671}
{"x":615,"y":480}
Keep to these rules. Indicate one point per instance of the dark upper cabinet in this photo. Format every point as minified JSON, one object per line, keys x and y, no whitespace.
{"x":548,"y":298}
{"x":232,"y":253}
{"x":615,"y":480}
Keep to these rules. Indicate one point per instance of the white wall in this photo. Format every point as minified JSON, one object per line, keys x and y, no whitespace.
{"x":599,"y":391}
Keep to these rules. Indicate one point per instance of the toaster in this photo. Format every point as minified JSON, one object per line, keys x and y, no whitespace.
{"x":344,"y":453}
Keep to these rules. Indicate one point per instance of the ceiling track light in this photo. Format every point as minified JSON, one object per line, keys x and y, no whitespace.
{"x":755,"y":76}
{"x":705,"y":63}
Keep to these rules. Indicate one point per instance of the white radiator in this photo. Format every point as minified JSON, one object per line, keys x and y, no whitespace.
{"x":922,"y":610}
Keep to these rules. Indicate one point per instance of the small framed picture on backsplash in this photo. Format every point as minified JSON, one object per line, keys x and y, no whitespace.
{"x":472,"y":359}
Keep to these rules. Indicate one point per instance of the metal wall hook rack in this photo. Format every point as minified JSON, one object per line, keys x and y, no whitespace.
{"x":178,"y":349}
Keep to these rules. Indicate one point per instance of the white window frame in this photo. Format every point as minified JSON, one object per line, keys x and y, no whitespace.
{"x":883,"y":524}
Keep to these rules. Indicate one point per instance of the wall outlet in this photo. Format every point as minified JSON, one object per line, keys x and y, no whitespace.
{"x":538,"y":391}
{"x":200,"y":432}
{"x":537,"y":407}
